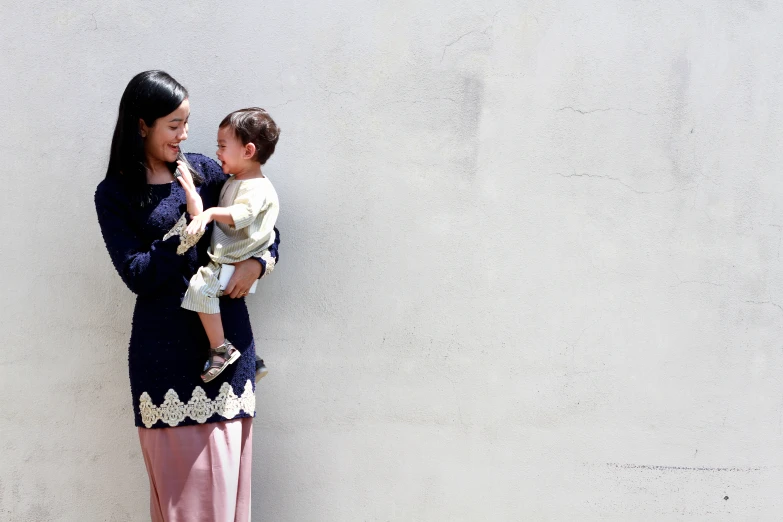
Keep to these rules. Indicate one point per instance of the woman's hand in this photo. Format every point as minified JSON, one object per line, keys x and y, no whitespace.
{"x":182,"y":174}
{"x":199,"y":223}
{"x":246,"y":273}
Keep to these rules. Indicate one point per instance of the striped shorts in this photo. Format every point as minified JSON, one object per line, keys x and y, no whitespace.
{"x":204,"y":290}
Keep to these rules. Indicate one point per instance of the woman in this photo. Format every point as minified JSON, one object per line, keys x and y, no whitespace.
{"x":196,"y":438}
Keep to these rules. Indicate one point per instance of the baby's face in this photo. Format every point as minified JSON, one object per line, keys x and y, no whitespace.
{"x":230,"y":151}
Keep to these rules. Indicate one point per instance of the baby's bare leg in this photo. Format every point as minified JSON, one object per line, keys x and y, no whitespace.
{"x":222,"y":352}
{"x":213,"y":325}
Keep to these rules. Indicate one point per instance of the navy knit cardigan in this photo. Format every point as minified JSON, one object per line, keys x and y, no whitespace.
{"x":168,"y":345}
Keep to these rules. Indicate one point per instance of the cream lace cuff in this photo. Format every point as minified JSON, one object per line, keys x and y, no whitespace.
{"x":186,"y":241}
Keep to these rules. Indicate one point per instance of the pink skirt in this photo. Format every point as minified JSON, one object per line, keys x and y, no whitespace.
{"x":199,"y":473}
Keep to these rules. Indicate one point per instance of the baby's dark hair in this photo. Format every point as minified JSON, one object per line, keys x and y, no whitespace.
{"x":254,"y":125}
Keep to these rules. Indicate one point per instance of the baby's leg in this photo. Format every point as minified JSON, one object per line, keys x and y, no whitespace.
{"x":201,"y":297}
{"x":213,"y":325}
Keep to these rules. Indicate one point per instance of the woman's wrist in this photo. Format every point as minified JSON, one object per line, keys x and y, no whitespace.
{"x":195,"y":204}
{"x":193,"y":196}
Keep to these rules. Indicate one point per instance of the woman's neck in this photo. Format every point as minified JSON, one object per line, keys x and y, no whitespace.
{"x":158,"y":173}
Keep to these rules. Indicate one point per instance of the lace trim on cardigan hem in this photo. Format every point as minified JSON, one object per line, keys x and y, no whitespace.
{"x":199,"y":407}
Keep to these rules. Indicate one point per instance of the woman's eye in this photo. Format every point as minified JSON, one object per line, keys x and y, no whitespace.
{"x":173,"y":128}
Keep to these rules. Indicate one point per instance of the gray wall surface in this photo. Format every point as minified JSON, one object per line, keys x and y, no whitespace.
{"x":530,"y":266}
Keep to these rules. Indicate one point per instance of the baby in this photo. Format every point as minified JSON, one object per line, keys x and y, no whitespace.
{"x":244,"y":223}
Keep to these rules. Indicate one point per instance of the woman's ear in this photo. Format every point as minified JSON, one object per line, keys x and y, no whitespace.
{"x":143,"y":129}
{"x":249,"y":152}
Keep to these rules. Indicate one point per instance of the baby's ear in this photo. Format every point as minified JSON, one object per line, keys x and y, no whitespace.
{"x":250,"y":151}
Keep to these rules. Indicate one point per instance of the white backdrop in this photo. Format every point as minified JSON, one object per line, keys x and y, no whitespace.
{"x":530,"y":266}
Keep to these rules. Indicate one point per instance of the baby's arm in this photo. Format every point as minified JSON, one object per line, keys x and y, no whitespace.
{"x":248,"y":203}
{"x":200,"y":222}
{"x":195,"y":204}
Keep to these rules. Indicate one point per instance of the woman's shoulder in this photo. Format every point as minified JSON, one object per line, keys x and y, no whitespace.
{"x":207,"y":167}
{"x":108,"y":191}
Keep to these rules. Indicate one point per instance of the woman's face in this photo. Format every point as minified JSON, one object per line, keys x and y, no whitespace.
{"x":161,"y":141}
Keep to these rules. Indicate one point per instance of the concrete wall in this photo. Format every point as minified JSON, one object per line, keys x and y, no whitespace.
{"x":530,"y":265}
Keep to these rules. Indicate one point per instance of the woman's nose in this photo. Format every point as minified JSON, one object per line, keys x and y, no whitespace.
{"x":183,"y":135}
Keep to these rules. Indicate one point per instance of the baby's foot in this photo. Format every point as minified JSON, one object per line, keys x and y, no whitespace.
{"x":219,"y":359}
{"x":261,"y":369}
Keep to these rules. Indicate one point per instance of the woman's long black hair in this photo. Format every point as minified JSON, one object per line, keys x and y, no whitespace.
{"x":148,"y":96}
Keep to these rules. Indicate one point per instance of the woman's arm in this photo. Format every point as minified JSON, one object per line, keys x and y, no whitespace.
{"x":211,"y":172}
{"x":269,"y":258}
{"x":143,"y":268}
{"x":192,"y":197}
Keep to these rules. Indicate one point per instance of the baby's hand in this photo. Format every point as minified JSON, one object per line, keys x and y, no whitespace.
{"x":199,"y":223}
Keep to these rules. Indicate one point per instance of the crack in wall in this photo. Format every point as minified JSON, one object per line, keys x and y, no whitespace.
{"x":683,"y":468}
{"x":694,"y":281}
{"x":616,"y":180}
{"x":780,"y":236}
{"x":580,"y":111}
{"x":474,"y":31}
{"x":773,"y":303}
